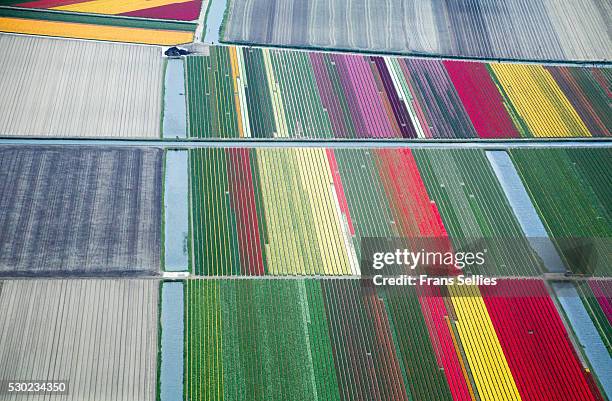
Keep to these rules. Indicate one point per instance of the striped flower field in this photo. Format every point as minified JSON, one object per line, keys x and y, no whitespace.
{"x":306,"y":200}
{"x":236,"y":92}
{"x":306,"y":211}
{"x":302,"y":211}
{"x":256,"y":320}
{"x":342,"y":341}
{"x":184,"y":10}
{"x":86,"y":22}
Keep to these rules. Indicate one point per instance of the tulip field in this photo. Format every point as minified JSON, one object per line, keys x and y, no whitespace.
{"x":241,"y":92}
{"x":341,"y":341}
{"x":246,"y":220}
{"x":292,"y":200}
{"x":113,"y":21}
{"x":275,"y":307}
{"x":184,"y":10}
{"x":279,"y":211}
